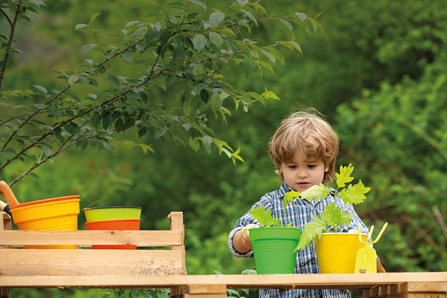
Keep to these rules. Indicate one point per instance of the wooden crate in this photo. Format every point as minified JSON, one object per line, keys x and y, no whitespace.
{"x":20,"y":262}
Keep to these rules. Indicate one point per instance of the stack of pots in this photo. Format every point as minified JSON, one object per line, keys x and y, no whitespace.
{"x":114,"y":218}
{"x":57,"y":214}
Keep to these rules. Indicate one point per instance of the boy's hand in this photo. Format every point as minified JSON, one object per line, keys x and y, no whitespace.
{"x":241,"y":240}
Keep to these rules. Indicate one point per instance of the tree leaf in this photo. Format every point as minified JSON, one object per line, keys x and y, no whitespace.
{"x":301,"y":16}
{"x":204,"y":95}
{"x":287,"y":24}
{"x":79,"y":26}
{"x":270,"y":56}
{"x":199,"y":42}
{"x":217,"y":17}
{"x":88,"y":47}
{"x":278,"y":55}
{"x":72,"y":80}
{"x":197,"y":2}
{"x":248,"y":65}
{"x":70,"y":129}
{"x":160,"y":132}
{"x":250,"y":16}
{"x":207,"y":141}
{"x":127,"y":56}
{"x":41,"y":88}
{"x":119,"y":125}
{"x":107,"y":146}
{"x":194,"y":144}
{"x":114,"y":80}
{"x":216,"y":39}
{"x":198,"y":70}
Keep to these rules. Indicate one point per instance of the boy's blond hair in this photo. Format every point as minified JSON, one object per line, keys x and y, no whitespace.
{"x":308,"y":134}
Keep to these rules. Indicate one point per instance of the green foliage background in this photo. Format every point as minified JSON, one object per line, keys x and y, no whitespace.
{"x":378,"y":74}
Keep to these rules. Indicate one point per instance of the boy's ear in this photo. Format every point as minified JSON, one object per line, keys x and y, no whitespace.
{"x":326,"y":169}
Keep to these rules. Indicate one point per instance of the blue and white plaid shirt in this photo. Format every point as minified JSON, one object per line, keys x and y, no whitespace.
{"x":299,"y":213}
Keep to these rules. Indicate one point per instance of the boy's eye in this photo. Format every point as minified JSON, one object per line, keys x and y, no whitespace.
{"x":311,"y":166}
{"x":292,"y":166}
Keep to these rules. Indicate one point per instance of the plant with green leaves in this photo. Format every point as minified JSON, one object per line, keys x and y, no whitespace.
{"x":162,"y":79}
{"x":332,"y":218}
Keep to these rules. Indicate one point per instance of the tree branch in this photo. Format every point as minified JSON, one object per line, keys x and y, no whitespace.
{"x":8,"y":47}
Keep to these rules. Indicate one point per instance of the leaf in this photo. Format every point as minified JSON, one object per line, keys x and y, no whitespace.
{"x":250,"y":16}
{"x":160,"y":132}
{"x":278,"y":55}
{"x":41,"y":88}
{"x":216,"y":39}
{"x":264,"y":217}
{"x":194,"y":144}
{"x":287,"y":24}
{"x":79,"y":26}
{"x":204,"y":95}
{"x":319,"y":192}
{"x":291,"y":196}
{"x":149,"y":35}
{"x":88,"y":47}
{"x":301,"y":16}
{"x":198,"y":70}
{"x":72,"y":80}
{"x":114,"y":80}
{"x":217,"y":17}
{"x":131,"y":23}
{"x":199,"y":42}
{"x":119,"y":125}
{"x":37,"y":2}
{"x":207,"y":141}
{"x":311,"y":230}
{"x":270,"y":56}
{"x":161,"y":294}
{"x":145,"y":148}
{"x":248,"y":65}
{"x":242,"y":2}
{"x":70,"y":129}
{"x":127,"y":56}
{"x":354,"y":194}
{"x":344,"y":176}
{"x":21,"y":107}
{"x":108,"y":146}
{"x":201,"y":4}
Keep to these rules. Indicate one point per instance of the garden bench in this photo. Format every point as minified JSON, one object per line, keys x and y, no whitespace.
{"x":21,"y":268}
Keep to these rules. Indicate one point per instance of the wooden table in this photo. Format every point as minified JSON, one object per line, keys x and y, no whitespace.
{"x":411,"y":285}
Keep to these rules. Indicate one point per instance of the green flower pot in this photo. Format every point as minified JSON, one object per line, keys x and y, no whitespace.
{"x":274,"y":249}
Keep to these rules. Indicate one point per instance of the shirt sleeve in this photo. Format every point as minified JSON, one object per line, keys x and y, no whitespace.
{"x":245,"y":220}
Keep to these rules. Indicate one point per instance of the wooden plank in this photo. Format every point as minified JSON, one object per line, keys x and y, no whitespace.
{"x":87,"y":238}
{"x":424,"y":287}
{"x":88,"y":262}
{"x":298,"y":281}
{"x":205,"y":289}
{"x":176,"y":223}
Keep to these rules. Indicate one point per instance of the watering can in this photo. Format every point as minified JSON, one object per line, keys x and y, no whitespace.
{"x":366,"y":256}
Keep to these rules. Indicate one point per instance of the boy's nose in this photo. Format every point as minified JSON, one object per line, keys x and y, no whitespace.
{"x":302,"y":173}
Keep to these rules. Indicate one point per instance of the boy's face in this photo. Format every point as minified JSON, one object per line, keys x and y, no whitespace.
{"x":302,"y":173}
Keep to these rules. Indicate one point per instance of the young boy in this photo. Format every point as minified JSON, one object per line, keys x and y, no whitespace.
{"x":304,"y":150}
